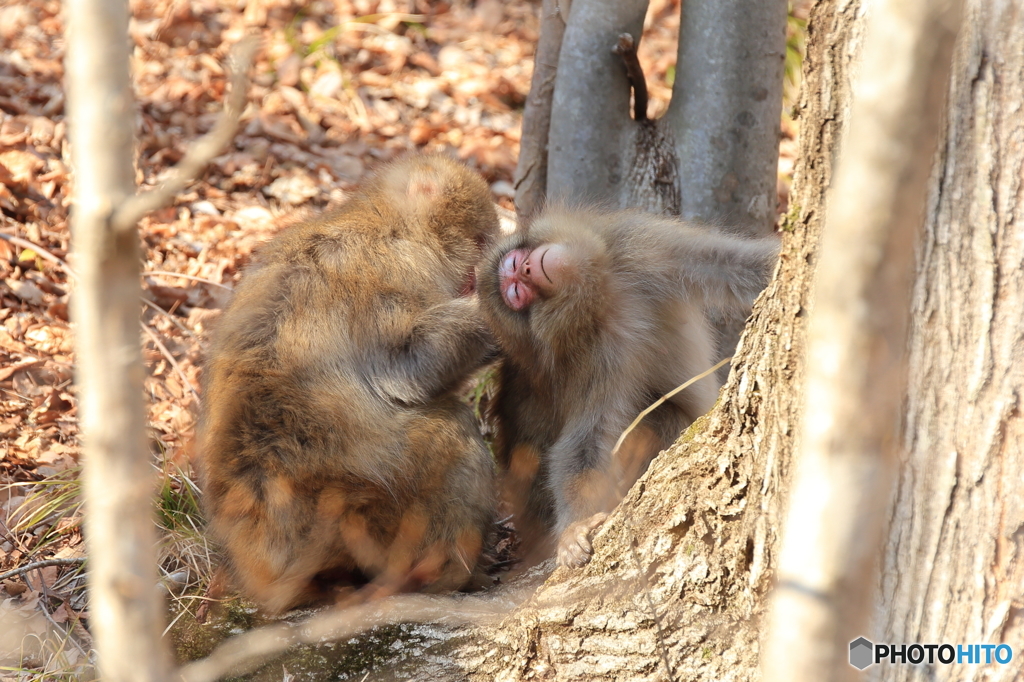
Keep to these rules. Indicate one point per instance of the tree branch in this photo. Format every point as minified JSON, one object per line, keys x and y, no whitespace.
{"x":202,"y":151}
{"x":244,"y":652}
{"x":41,"y":564}
{"x":626,"y":48}
{"x":531,"y":177}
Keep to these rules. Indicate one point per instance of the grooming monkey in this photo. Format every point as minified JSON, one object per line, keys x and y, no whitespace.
{"x":333,"y":449}
{"x":599,"y":314}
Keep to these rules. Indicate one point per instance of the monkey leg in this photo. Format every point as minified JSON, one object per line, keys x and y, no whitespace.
{"x":455,"y":506}
{"x":592,"y":492}
{"x":282,"y":540}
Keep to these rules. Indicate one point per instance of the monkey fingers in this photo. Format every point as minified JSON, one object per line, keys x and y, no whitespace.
{"x":574,"y":547}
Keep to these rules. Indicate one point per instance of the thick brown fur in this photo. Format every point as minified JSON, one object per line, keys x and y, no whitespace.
{"x":625,"y":325}
{"x":332,"y":448}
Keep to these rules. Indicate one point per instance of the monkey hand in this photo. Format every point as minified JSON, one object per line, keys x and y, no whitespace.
{"x":574,"y":547}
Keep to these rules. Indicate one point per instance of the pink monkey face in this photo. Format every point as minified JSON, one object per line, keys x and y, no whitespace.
{"x":525,"y":274}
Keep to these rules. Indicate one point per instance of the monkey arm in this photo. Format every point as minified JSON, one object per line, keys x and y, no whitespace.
{"x":731,"y":272}
{"x":447,"y":343}
{"x":584,"y":485}
{"x":728,"y":272}
{"x":580,"y":460}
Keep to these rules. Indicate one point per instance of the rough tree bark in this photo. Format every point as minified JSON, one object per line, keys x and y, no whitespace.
{"x":954,"y":568}
{"x":826,"y":573}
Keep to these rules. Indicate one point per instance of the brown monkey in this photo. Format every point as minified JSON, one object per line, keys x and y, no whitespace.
{"x":333,"y":449}
{"x":599,"y":315}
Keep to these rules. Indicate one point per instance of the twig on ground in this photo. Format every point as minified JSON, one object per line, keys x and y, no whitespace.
{"x":41,"y":564}
{"x":199,"y":153}
{"x":174,"y":321}
{"x":43,"y":253}
{"x":170,"y":358}
{"x":166,"y":273}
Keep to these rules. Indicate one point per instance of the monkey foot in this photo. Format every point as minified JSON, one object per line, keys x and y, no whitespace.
{"x":574,"y":548}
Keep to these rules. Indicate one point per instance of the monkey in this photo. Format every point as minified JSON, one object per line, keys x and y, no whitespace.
{"x":334,"y":451}
{"x":599,"y":314}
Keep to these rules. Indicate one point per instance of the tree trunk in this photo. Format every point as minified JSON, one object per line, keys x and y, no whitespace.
{"x":125,"y":611}
{"x":711,"y":158}
{"x":826,"y":573}
{"x":954,"y":569}
{"x":728,"y":86}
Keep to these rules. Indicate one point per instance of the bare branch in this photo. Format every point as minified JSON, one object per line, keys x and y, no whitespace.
{"x":626,"y":48}
{"x":202,"y":151}
{"x":43,"y":253}
{"x":41,"y":564}
{"x":170,"y":358}
{"x":243,"y":653}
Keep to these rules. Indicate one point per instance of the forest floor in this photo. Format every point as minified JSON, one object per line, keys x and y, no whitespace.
{"x":339,"y":87}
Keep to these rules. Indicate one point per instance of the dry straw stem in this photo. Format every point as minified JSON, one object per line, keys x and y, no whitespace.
{"x":202,"y":151}
{"x":194,"y":278}
{"x":828,"y":565}
{"x":662,"y":399}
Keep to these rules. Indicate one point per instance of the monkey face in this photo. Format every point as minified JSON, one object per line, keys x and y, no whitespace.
{"x":525,"y":273}
{"x":538,"y":291}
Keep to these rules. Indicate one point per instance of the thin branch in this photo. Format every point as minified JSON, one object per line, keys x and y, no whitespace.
{"x":41,"y":564}
{"x":202,"y":151}
{"x":170,"y":358}
{"x":244,"y":652}
{"x":194,"y":278}
{"x":626,"y":49}
{"x":184,"y":330}
{"x":43,"y":253}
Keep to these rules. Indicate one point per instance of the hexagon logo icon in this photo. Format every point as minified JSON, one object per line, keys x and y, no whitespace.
{"x":861,"y":653}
